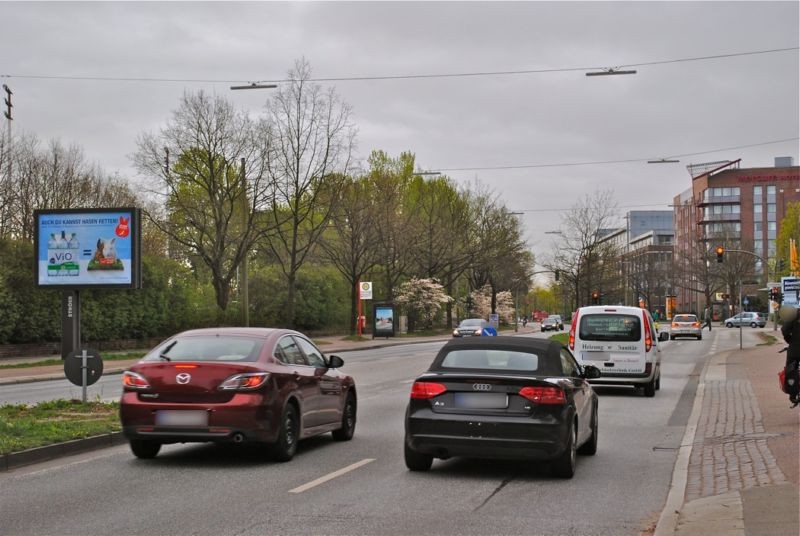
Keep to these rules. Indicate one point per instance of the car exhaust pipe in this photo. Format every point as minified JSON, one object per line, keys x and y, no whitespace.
{"x":238,"y":437}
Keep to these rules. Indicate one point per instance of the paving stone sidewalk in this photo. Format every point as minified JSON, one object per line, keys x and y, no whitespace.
{"x":742,"y":475}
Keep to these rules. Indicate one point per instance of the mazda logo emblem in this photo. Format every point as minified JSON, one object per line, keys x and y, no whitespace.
{"x":481,"y":387}
{"x":183,"y":378}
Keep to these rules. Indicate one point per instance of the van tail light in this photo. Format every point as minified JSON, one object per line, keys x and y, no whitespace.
{"x":134,"y":381}
{"x":647,"y":368}
{"x":648,"y":340}
{"x":544,"y":395}
{"x":425,"y":390}
{"x":572,"y":331}
{"x":244,"y":382}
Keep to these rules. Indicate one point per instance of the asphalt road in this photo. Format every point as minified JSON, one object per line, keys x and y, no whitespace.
{"x":365,"y":487}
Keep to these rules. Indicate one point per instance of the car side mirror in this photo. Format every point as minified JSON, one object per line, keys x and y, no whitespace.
{"x":334,"y":361}
{"x":590,"y":372}
{"x":663,"y":336}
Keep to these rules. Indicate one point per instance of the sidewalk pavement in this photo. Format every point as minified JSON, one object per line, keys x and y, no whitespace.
{"x":737,"y":469}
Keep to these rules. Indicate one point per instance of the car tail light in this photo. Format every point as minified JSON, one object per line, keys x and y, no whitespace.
{"x":695,"y":324}
{"x":648,"y":340}
{"x":244,"y":382}
{"x":674,"y":324}
{"x":544,"y":395}
{"x":133,"y":380}
{"x":423,"y":390}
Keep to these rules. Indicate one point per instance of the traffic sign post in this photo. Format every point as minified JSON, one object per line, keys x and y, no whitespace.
{"x":83,"y":369}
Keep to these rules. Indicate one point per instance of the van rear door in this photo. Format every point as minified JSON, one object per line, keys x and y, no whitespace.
{"x":611,"y":341}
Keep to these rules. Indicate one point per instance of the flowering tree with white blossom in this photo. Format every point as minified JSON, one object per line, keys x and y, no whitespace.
{"x":422,"y":299}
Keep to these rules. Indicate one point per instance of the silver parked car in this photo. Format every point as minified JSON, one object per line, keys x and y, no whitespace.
{"x":754,"y":320}
{"x":685,"y":325}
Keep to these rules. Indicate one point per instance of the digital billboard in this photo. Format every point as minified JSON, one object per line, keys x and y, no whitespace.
{"x":88,"y":248}
{"x":383,"y":325}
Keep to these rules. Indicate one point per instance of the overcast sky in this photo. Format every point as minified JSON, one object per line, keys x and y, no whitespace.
{"x":460,"y":122}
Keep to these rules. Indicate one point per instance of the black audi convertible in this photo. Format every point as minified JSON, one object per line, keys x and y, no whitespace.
{"x":502,"y":397}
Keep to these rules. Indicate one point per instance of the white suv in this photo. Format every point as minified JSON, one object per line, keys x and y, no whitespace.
{"x":622,"y":342}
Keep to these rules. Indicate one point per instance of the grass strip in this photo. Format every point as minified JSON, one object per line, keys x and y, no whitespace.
{"x":59,"y":361}
{"x":563,"y":338}
{"x":24,"y":427}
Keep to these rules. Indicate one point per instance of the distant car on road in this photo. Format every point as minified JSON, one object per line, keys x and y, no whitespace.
{"x":471,"y":327}
{"x":754,"y":320}
{"x":502,"y":397}
{"x":550,"y":324}
{"x":685,"y":325}
{"x":236,"y":385}
{"x":558,"y":320}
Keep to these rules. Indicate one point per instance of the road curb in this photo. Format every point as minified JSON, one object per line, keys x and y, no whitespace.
{"x":59,"y":450}
{"x":668,"y":520}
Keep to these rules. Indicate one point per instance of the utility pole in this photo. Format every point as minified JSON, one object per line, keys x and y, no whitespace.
{"x":7,"y":113}
{"x":245,"y":278}
{"x":9,"y":118}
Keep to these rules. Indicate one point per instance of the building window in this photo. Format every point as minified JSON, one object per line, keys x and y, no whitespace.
{"x":758,"y":228}
{"x":770,"y":194}
{"x":758,"y":246}
{"x":772,"y":249}
{"x":757,"y":209}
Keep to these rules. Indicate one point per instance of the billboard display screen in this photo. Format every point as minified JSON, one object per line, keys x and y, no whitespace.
{"x":384,"y":320}
{"x":88,"y":248}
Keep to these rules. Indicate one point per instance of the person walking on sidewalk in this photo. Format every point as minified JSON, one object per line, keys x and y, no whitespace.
{"x":791,"y":334}
{"x":707,"y":318}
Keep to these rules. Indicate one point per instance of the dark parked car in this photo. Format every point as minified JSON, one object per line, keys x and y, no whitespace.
{"x":503,"y":397}
{"x":270,"y":386}
{"x":471,"y":327}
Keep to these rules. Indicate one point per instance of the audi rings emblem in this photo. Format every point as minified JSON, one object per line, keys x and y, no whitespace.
{"x":183,"y":378}
{"x":481,"y":387}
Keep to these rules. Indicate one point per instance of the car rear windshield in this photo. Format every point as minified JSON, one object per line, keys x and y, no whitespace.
{"x":497,"y":360}
{"x":610,"y":327}
{"x":211,"y":348}
{"x":684,"y":318}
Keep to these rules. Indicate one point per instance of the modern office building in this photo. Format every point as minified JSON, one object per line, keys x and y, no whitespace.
{"x":645,"y":258}
{"x":741,"y":207}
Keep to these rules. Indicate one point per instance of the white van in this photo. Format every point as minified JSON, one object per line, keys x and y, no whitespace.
{"x":622,"y":342}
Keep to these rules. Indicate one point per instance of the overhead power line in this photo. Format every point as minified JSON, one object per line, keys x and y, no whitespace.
{"x":622,"y":161}
{"x":394,"y":77}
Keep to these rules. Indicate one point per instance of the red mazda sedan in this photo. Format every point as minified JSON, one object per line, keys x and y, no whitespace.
{"x":236,"y":385}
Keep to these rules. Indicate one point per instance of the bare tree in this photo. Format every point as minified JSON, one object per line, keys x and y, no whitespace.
{"x":583,"y":258}
{"x":314,"y":140}
{"x":210,"y":160}
{"x":351,"y":241}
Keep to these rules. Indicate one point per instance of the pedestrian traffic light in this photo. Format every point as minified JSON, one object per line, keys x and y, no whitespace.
{"x":720,"y":251}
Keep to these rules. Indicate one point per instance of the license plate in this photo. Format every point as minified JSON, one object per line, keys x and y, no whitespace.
{"x":182,"y":418}
{"x":481,"y":400}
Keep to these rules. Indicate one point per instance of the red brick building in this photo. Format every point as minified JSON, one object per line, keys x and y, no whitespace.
{"x":743,"y":206}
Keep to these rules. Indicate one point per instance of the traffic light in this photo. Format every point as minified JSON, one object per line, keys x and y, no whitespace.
{"x":595,"y":297}
{"x":781,"y":265}
{"x":557,"y":274}
{"x":720,"y":251}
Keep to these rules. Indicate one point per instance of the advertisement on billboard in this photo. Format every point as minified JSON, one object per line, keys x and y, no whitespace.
{"x":88,"y":248}
{"x":384,"y":320}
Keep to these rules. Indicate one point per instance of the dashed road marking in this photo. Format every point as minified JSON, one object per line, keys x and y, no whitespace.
{"x":331,"y":476}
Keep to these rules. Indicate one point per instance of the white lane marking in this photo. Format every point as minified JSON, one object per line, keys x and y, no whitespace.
{"x":331,"y":476}
{"x":408,"y":381}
